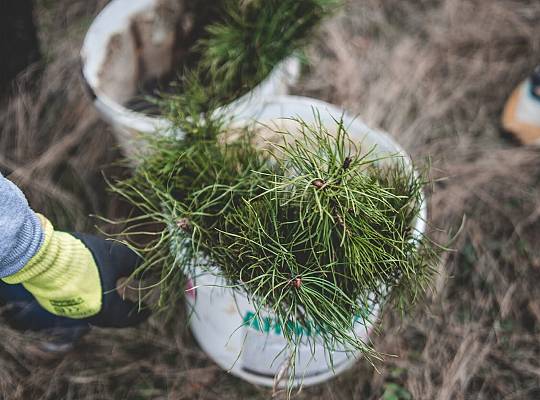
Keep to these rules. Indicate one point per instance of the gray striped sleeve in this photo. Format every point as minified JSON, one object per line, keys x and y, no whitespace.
{"x":21,"y":234}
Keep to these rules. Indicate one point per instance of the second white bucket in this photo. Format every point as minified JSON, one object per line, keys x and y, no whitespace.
{"x":222,"y":318}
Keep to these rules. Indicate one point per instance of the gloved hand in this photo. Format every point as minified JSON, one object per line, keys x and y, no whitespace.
{"x":114,"y":261}
{"x":75,"y":276}
{"x":22,"y":312}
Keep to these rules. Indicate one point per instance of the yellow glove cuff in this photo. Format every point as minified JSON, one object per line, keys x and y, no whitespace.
{"x":62,"y":276}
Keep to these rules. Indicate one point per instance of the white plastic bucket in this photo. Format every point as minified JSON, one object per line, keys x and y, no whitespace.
{"x":220,"y":317}
{"x":131,"y":41}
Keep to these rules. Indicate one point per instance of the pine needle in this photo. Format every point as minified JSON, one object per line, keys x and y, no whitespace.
{"x":317,"y":230}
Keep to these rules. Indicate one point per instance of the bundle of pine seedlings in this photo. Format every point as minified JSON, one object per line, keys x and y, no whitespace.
{"x":253,"y":36}
{"x":312,"y":227}
{"x":233,"y":45}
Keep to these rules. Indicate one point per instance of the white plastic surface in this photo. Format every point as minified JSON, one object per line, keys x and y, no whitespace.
{"x":219,"y":313}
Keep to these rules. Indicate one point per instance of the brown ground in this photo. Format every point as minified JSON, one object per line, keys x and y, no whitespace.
{"x":434,"y":73}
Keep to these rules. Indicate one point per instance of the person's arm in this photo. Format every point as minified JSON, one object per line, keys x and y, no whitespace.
{"x":21,"y":233}
{"x":74,"y":276}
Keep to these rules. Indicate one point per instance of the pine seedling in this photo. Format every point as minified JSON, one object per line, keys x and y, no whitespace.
{"x":182,"y":187}
{"x":316,"y":230}
{"x":330,"y":235}
{"x":240,"y":48}
{"x":254,"y":36}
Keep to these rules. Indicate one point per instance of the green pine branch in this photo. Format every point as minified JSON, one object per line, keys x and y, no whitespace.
{"x":317,"y":229}
{"x":239,"y":47}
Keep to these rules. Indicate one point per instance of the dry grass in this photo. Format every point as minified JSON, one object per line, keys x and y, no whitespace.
{"x":435,"y":73}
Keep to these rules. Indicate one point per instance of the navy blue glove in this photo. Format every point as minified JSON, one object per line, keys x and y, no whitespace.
{"x":114,"y":261}
{"x":22,"y":312}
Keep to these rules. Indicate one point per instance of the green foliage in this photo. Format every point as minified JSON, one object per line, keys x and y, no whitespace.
{"x":256,"y":35}
{"x":316,"y":229}
{"x":330,"y":234}
{"x":242,"y":44}
{"x":186,"y":186}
